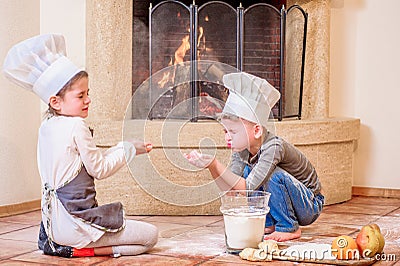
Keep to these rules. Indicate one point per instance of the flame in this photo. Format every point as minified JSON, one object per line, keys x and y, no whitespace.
{"x":165,"y":77}
{"x":180,"y":55}
{"x":201,"y":31}
{"x":181,"y":51}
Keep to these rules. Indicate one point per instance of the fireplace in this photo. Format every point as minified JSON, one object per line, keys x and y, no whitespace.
{"x":178,"y":72}
{"x":329,"y":142}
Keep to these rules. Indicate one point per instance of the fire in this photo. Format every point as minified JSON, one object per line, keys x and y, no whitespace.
{"x":179,"y":56}
{"x":165,"y":77}
{"x":181,"y":51}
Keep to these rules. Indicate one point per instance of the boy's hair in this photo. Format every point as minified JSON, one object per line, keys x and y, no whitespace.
{"x":50,"y":111}
{"x":228,"y":116}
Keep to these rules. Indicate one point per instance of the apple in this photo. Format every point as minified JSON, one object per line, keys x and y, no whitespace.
{"x":380,"y":237}
{"x":370,"y":241}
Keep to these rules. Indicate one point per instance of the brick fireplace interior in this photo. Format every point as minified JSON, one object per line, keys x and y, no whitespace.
{"x":216,"y":40}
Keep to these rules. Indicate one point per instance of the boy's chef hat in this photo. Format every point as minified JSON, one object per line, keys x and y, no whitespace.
{"x":250,"y":97}
{"x":39,"y":64}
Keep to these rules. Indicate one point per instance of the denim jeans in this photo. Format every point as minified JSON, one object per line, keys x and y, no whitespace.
{"x":291,"y":202}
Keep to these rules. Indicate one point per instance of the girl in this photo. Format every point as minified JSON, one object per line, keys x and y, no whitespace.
{"x":68,"y":159}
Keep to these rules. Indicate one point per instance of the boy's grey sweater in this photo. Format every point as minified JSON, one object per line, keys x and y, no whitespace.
{"x":274,"y":152}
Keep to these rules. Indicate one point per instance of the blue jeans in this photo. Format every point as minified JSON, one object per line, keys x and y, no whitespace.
{"x":291,"y":203}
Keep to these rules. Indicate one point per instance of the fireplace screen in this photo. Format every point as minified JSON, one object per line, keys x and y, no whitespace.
{"x":191,"y":47}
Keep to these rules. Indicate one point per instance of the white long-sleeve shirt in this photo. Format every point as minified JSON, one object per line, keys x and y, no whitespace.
{"x":65,"y":144}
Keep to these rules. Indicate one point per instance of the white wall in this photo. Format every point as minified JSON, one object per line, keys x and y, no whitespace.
{"x":364,"y":83}
{"x":67,"y":17}
{"x":19,"y":110}
{"x":71,"y":23}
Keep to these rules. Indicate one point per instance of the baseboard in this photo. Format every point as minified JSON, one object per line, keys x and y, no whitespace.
{"x":376,"y":192}
{"x":19,"y":208}
{"x":34,"y":205}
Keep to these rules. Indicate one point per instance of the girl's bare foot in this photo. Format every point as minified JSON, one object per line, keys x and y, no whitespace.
{"x":269,"y":229}
{"x":283,"y":236}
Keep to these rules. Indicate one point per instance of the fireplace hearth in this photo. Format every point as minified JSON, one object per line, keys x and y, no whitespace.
{"x":178,"y":73}
{"x":329,"y":142}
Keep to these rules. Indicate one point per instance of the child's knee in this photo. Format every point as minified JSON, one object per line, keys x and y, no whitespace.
{"x":277,"y":177}
{"x":152,"y":232}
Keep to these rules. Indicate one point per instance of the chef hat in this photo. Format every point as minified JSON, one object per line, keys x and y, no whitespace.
{"x":250,"y":97}
{"x":39,"y":64}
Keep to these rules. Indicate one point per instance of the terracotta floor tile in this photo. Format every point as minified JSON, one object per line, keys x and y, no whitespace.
{"x":228,"y":260}
{"x":395,"y":213}
{"x":384,"y":263}
{"x":167,"y":230}
{"x":360,"y":208}
{"x":390,"y":228}
{"x":347,"y":218}
{"x":204,"y":242}
{"x":231,"y":260}
{"x":199,"y":240}
{"x":20,"y":263}
{"x":136,"y":217}
{"x":9,"y":227}
{"x":38,"y":257}
{"x":375,"y":201}
{"x":190,"y":220}
{"x":12,"y":248}
{"x":31,"y":218}
{"x":149,"y":259}
{"x":218,"y":224}
{"x":325,"y":229}
{"x":27,"y":234}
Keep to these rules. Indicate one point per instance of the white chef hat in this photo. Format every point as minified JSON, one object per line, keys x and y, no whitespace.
{"x":39,"y":64}
{"x":250,"y":97}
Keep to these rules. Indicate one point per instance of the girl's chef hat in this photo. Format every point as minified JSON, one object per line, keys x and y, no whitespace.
{"x":250,"y":97}
{"x":39,"y":64}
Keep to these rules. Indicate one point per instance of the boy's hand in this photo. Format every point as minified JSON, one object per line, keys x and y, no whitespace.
{"x":199,"y":160}
{"x":141,"y":147}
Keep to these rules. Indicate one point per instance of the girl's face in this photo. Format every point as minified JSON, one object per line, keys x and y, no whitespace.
{"x":238,"y":134}
{"x":76,"y":100}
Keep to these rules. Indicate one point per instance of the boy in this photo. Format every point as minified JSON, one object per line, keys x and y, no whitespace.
{"x":263,"y":161}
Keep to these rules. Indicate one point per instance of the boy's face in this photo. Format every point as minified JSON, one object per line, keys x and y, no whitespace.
{"x":239,"y":134}
{"x":76,"y":100}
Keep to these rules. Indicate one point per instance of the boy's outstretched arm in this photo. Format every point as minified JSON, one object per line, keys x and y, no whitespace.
{"x":225,"y":179}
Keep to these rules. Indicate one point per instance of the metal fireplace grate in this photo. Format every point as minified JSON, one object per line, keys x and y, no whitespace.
{"x":183,"y":41}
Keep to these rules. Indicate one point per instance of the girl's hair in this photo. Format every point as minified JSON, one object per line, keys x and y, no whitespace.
{"x":50,"y":111}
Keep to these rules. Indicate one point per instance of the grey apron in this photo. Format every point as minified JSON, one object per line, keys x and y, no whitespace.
{"x":79,"y":199}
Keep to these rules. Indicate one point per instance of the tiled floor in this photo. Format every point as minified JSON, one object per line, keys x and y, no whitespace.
{"x":199,"y":240}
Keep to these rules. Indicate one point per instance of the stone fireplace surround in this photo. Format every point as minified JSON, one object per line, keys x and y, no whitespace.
{"x":328,"y":142}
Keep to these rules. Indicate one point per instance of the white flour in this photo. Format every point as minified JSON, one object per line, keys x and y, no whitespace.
{"x":244,"y":230}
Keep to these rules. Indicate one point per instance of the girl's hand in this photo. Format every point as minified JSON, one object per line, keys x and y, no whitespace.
{"x":199,"y":160}
{"x":142,"y":147}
